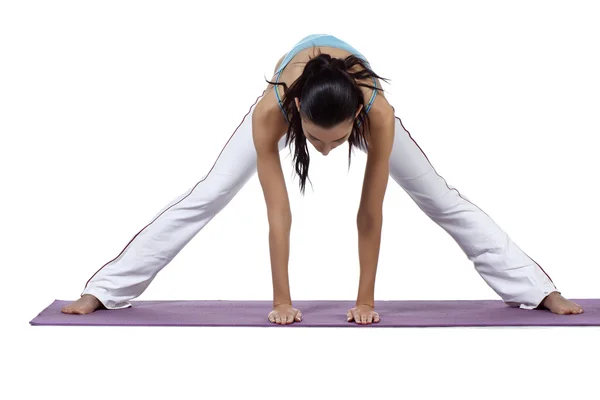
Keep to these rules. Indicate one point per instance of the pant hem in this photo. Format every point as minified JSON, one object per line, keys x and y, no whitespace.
{"x":105,"y":300}
{"x":540,"y":298}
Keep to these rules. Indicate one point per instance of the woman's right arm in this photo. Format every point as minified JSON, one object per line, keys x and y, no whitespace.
{"x":270,"y":175}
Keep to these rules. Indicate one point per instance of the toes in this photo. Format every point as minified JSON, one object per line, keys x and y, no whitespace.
{"x":568,"y":311}
{"x":572,"y":309}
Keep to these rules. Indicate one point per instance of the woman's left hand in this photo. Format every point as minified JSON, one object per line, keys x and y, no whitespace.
{"x":362,"y":314}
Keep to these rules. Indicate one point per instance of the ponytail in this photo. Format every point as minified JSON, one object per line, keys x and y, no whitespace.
{"x":329,"y":95}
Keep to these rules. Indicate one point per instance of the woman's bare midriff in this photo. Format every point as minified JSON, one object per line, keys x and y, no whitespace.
{"x":294,"y":69}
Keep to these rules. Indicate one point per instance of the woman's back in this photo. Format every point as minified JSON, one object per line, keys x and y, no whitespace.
{"x":269,"y":103}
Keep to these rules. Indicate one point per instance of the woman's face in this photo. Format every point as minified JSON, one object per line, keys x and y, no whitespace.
{"x":326,"y":139}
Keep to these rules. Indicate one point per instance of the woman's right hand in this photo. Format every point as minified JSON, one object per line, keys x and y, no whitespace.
{"x":285,"y":314}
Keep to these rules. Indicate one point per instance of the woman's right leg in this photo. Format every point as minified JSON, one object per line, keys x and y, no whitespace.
{"x":129,"y":274}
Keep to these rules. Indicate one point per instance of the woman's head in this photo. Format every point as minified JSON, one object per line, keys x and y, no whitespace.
{"x":325,"y":107}
{"x":324,"y":136}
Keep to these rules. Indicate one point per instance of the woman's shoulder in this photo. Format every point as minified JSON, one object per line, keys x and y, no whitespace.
{"x":381,"y":109}
{"x":268,"y":119}
{"x":268,"y":108}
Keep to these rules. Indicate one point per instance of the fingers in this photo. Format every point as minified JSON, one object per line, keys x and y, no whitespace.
{"x":353,"y":315}
{"x":362,"y":317}
{"x":358,"y":317}
{"x":284,"y":319}
{"x":290,"y":318}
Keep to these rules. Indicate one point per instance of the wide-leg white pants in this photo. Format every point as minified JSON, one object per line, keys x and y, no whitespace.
{"x":515,"y":277}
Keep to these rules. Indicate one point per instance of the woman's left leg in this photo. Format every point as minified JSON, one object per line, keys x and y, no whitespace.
{"x":513,"y":275}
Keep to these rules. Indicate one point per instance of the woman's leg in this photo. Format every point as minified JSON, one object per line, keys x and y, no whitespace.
{"x":150,"y":250}
{"x":513,"y":275}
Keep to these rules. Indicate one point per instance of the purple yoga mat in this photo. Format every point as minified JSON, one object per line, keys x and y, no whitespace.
{"x":415,"y":313}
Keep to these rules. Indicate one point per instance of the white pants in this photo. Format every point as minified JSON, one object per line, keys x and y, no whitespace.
{"x":515,"y":277}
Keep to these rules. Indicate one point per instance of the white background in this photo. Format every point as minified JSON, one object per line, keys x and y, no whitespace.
{"x":109,"y":110}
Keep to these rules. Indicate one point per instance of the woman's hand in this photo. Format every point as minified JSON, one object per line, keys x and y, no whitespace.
{"x":362,"y":314}
{"x":285,"y":314}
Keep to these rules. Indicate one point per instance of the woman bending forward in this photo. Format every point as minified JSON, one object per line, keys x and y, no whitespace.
{"x":326,"y":94}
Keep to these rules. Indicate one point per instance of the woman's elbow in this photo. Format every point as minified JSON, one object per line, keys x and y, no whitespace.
{"x":368,"y":220}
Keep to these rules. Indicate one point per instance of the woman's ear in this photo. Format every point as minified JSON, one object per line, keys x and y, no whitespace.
{"x":358,"y":112}
{"x":297,"y":103}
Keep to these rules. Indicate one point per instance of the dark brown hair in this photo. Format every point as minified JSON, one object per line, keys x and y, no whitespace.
{"x":328,"y":95}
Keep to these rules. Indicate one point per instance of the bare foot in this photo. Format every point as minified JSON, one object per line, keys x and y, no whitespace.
{"x":556,"y":303}
{"x":85,"y":305}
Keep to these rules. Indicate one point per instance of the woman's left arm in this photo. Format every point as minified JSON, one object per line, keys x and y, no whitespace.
{"x":370,"y":216}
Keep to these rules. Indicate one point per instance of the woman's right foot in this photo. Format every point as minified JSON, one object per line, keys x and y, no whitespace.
{"x":85,"y":305}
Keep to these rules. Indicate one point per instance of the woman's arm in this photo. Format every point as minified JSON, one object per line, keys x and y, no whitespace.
{"x":370,"y":217}
{"x":271,"y":178}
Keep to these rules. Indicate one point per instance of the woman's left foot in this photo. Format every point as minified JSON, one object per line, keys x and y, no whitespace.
{"x":556,"y":303}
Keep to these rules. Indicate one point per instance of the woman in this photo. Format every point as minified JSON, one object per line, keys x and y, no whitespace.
{"x":333,"y":97}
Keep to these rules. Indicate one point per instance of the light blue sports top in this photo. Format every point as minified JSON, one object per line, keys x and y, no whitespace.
{"x":320,"y":40}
